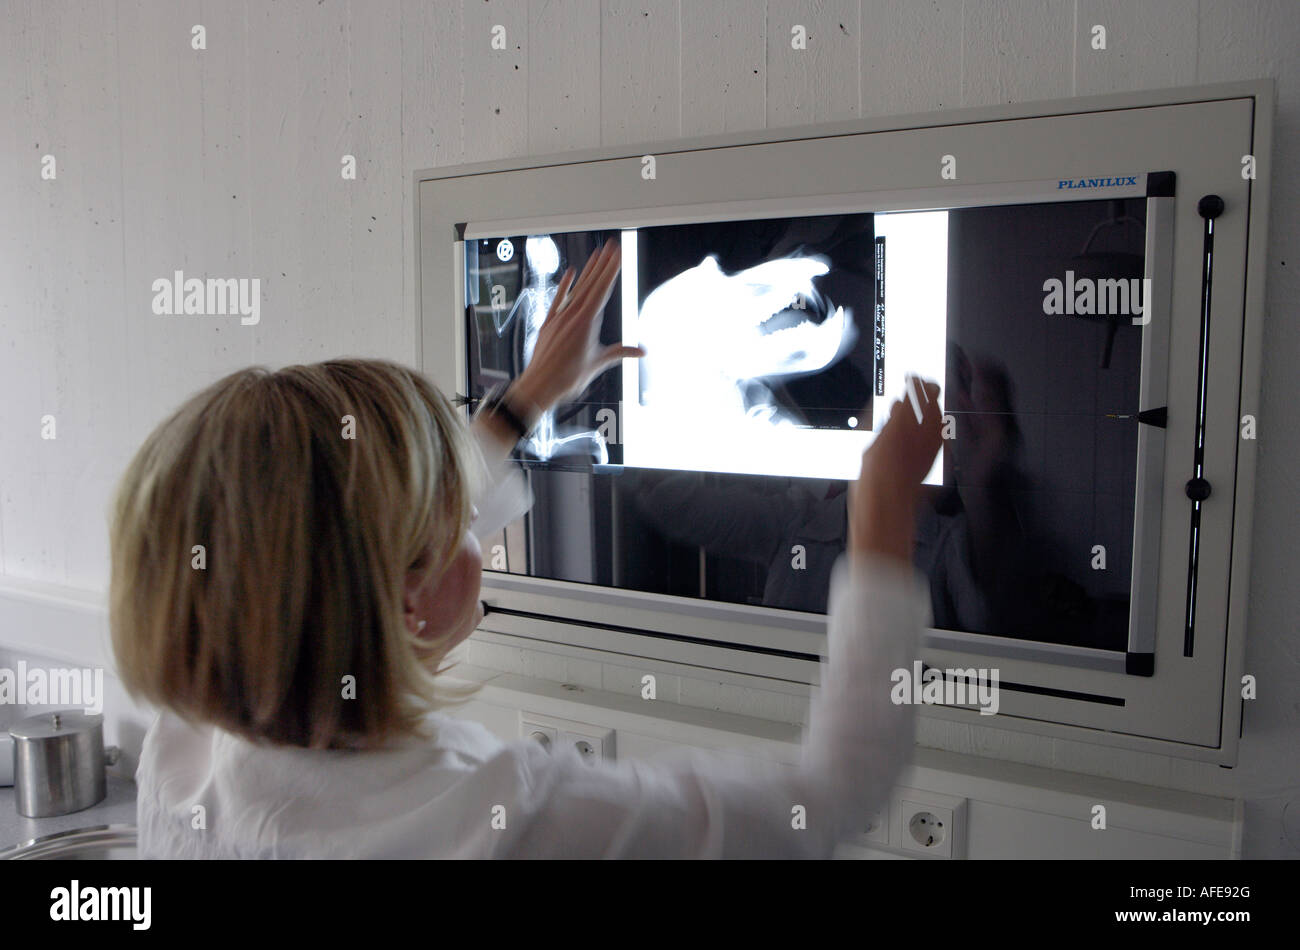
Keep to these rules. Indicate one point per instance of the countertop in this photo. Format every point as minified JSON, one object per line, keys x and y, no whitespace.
{"x":118,"y":808}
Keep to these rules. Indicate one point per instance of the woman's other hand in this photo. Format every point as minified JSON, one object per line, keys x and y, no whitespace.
{"x":882,"y":501}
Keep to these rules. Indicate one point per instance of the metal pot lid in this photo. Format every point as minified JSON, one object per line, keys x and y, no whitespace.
{"x":92,"y":844}
{"x":52,"y":725}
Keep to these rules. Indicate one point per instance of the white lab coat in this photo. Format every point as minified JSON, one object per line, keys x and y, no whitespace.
{"x":467,"y":794}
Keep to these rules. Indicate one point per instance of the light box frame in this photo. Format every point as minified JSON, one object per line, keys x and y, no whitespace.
{"x":1187,"y":706}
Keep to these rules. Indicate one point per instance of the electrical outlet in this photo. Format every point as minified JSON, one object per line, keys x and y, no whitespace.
{"x":877,"y":827}
{"x":591,"y":748}
{"x":547,"y":735}
{"x":592,"y":743}
{"x":928,"y":823}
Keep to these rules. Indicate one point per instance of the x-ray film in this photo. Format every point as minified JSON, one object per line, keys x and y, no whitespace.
{"x":765,"y":339}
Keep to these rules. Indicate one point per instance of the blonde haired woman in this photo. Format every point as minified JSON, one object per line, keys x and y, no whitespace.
{"x":293,"y":656}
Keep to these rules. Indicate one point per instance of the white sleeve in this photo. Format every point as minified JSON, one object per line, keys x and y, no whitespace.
{"x":504,"y":497}
{"x":856,"y":742}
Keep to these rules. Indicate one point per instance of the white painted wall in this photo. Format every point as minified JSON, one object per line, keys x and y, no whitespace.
{"x":225,"y":162}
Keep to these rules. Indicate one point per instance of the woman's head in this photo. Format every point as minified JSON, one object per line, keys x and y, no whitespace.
{"x":290,"y":557}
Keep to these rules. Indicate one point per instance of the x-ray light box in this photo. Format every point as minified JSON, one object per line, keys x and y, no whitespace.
{"x":1082,"y":278}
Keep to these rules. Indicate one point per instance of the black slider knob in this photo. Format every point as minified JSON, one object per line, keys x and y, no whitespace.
{"x":1211,"y":206}
{"x":1198,"y":489}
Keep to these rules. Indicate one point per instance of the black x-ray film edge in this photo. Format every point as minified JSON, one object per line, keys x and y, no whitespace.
{"x":880,"y":316}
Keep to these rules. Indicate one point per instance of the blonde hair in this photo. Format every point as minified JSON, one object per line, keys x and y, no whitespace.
{"x":307,"y":533}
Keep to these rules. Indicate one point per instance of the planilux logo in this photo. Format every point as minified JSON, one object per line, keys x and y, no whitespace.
{"x":1120,"y":182}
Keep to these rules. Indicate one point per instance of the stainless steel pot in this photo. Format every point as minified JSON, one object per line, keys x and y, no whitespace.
{"x":59,"y":761}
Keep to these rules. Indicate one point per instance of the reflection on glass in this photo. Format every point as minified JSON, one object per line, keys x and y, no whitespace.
{"x":716,"y":467}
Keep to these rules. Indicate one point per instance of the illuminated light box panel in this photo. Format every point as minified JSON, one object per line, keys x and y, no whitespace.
{"x":1083,"y":279}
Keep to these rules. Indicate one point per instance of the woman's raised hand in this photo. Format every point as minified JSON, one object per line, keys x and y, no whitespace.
{"x":882,"y":501}
{"x":568,"y":354}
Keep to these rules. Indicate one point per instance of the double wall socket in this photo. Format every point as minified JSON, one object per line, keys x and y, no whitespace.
{"x":592,"y":743}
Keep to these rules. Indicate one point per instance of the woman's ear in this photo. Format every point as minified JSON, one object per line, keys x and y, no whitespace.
{"x":415,"y":596}
{"x":409,"y":599}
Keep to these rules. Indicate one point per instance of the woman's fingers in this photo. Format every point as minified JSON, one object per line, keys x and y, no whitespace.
{"x":616,"y":352}
{"x":924,"y":398}
{"x":577,"y":286}
{"x":561,"y":291}
{"x":592,"y":290}
{"x":615,"y":266}
{"x":602,"y":266}
{"x":565,"y":358}
{"x":596,"y":281}
{"x":568,"y":294}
